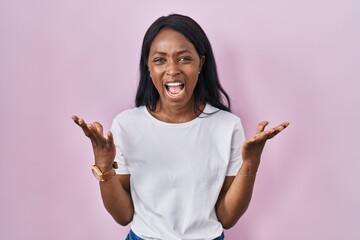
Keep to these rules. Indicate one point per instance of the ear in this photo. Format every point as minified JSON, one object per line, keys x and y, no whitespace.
{"x":202,"y":61}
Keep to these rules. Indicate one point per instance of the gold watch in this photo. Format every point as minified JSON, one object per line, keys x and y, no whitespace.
{"x":102,"y":177}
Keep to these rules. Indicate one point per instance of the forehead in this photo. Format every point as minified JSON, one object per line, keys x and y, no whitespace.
{"x":170,"y":40}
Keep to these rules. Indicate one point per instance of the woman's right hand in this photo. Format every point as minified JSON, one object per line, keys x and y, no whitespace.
{"x":104,"y":148}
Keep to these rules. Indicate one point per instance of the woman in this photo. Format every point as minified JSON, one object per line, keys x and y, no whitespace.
{"x":184,"y":169}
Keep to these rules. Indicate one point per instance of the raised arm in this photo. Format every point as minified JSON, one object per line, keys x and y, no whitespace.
{"x":115,"y":192}
{"x":236,"y":192}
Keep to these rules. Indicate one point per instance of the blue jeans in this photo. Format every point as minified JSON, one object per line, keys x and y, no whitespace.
{"x":133,"y":236}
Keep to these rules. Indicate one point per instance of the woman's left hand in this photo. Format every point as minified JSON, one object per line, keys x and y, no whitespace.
{"x":253,"y":147}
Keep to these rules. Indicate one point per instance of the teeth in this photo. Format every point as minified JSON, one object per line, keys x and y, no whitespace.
{"x":173,"y":84}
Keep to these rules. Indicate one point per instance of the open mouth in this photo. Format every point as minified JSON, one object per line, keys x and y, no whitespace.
{"x":174,"y":89}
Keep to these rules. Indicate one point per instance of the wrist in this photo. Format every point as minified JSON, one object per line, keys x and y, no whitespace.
{"x":104,"y":166}
{"x":248,"y":169}
{"x":103,"y":176}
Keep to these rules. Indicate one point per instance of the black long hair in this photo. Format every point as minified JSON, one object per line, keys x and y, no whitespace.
{"x":208,"y":88}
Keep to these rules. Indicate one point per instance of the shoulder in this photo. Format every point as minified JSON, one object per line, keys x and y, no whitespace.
{"x":223,"y":125}
{"x":129,"y":116}
{"x":224,"y":117}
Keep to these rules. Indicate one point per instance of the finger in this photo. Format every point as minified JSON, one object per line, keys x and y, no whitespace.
{"x":92,"y":135}
{"x":275,"y":130}
{"x":261,"y":126}
{"x":84,"y":127}
{"x":109,"y":141}
{"x":271,"y":133}
{"x":110,"y":138}
{"x":78,"y":121}
{"x":75,"y":119}
{"x":99,"y":127}
{"x":99,"y":137}
{"x":281,"y":127}
{"x":87,"y":129}
{"x":285,"y":124}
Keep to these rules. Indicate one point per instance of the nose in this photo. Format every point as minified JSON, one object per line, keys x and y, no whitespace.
{"x":172,"y":68}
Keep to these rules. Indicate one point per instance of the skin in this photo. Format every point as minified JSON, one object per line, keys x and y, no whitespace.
{"x":173,"y":58}
{"x":115,"y":192}
{"x":236,"y":192}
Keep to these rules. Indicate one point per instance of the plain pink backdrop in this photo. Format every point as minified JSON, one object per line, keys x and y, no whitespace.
{"x":279,"y":60}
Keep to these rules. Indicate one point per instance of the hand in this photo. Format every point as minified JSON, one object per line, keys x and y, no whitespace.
{"x":104,"y":148}
{"x":253,"y":147}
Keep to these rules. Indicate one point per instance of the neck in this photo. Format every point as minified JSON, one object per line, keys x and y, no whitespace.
{"x":177,"y":114}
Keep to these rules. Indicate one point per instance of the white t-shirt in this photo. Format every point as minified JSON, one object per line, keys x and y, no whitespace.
{"x":177,"y":170}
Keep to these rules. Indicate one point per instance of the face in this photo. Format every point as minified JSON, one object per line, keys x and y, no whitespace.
{"x":174,"y":66}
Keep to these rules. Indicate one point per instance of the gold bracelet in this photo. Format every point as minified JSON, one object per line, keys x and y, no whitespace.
{"x":102,"y":177}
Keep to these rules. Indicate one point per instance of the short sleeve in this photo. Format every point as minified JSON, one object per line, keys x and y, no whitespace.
{"x":119,"y":157}
{"x":237,"y":139}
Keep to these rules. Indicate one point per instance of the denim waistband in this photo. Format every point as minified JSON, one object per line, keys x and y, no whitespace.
{"x":133,"y":236}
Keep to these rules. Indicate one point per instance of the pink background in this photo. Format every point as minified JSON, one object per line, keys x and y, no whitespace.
{"x":279,"y":60}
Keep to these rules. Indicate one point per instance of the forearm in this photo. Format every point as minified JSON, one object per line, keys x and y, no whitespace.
{"x":235,"y":196}
{"x":233,"y":204}
{"x":117,"y":200}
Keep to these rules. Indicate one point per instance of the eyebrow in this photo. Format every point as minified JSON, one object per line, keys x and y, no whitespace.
{"x":178,"y":52}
